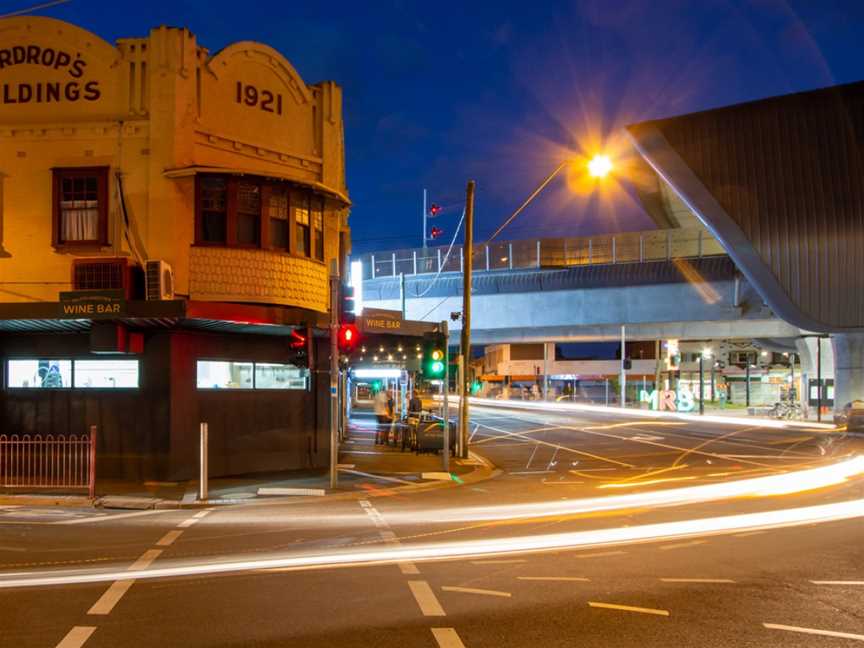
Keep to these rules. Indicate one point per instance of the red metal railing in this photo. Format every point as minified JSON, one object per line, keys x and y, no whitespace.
{"x":49,"y":462}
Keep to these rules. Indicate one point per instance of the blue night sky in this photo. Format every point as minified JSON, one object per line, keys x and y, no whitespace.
{"x":440,"y":92}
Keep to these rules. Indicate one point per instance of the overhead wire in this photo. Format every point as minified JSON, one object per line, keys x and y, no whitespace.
{"x":44,"y":5}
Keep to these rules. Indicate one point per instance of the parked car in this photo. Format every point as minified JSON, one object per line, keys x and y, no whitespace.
{"x":852,"y":416}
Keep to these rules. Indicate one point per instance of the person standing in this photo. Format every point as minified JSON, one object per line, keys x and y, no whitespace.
{"x":382,"y":413}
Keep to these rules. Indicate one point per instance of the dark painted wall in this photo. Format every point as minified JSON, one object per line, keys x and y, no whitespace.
{"x":153,"y":432}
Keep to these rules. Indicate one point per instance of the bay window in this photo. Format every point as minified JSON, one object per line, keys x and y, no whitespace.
{"x":247,"y":211}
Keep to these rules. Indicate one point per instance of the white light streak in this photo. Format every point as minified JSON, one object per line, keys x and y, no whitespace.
{"x":463,"y":549}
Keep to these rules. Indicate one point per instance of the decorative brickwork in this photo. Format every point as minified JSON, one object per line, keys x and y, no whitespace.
{"x":259,"y":276}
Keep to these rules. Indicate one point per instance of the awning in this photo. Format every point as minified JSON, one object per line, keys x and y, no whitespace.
{"x":187,"y":171}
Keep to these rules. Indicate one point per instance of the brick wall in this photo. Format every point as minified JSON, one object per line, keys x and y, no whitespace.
{"x":260,"y":276}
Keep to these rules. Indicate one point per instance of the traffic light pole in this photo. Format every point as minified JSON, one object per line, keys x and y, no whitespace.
{"x":468,"y":260}
{"x":445,"y":387}
{"x":334,"y":373}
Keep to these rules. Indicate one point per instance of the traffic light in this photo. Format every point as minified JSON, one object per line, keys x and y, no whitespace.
{"x":298,"y":345}
{"x":347,"y":305}
{"x":434,"y":356}
{"x":435,"y":232}
{"x":434,"y":210}
{"x":348,"y":338}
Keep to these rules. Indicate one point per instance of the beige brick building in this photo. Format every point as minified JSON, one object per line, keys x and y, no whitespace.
{"x":168,"y":217}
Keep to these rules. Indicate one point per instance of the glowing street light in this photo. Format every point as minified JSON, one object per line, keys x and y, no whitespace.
{"x":599,"y":166}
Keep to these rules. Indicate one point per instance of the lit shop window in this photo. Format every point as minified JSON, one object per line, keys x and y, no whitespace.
{"x":218,"y":374}
{"x":39,"y":374}
{"x":279,"y":376}
{"x":106,"y":374}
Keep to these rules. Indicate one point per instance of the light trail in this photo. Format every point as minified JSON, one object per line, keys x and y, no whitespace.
{"x":770,"y":485}
{"x":464,"y":549}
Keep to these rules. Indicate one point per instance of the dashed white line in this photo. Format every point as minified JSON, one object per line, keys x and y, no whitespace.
{"x":682,"y":545}
{"x":185,"y":524}
{"x":600,"y":554}
{"x":408,"y":568}
{"x":628,"y":608}
{"x":111,"y":597}
{"x":474,"y":590}
{"x":169,"y":538}
{"x":145,"y":559}
{"x":697,"y":580}
{"x":201,"y":514}
{"x":76,"y":637}
{"x":573,"y":579}
{"x":426,"y":598}
{"x":447,"y":638}
{"x":814,"y":631}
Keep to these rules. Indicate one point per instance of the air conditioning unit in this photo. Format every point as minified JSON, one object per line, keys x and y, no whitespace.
{"x":158,"y":280}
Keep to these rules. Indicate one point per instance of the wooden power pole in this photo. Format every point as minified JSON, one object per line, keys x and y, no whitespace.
{"x":468,"y":260}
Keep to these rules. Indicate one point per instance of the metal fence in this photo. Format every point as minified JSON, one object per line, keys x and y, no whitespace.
{"x":631,"y":247}
{"x":59,"y":462}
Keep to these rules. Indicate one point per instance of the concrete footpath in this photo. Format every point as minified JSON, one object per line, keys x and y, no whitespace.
{"x":365,"y":469}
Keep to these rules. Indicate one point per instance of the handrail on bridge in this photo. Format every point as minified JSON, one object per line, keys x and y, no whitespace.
{"x":630,"y":247}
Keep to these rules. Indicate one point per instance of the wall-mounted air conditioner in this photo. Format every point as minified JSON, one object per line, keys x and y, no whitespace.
{"x":158,"y":280}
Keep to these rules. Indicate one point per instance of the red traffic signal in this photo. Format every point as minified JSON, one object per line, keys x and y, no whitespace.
{"x":435,"y":232}
{"x":297,"y":341}
{"x":298,"y":344}
{"x":348,"y":338}
{"x":434,"y":210}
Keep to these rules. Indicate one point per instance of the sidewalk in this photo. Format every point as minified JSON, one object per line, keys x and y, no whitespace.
{"x":364,"y":469}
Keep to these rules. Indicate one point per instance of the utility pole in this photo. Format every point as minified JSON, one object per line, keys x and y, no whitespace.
{"x":424,"y":219}
{"x":818,"y":379}
{"x":468,"y":260}
{"x":701,"y":384}
{"x":623,"y":374}
{"x":445,"y":387}
{"x":334,"y":373}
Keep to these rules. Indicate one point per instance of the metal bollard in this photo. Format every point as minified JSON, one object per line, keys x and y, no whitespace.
{"x":91,"y":477}
{"x":202,"y":474}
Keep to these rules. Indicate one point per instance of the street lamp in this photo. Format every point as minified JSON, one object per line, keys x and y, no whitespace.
{"x":706,"y":353}
{"x":600,"y":166}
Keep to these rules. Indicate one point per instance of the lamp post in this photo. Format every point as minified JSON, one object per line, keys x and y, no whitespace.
{"x":706,"y":353}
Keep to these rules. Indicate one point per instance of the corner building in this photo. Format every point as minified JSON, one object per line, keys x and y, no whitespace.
{"x":167,"y":222}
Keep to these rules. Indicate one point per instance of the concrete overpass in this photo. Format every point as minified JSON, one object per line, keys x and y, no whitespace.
{"x":675,"y":283}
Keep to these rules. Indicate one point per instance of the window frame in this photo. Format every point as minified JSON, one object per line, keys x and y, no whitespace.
{"x":58,"y":174}
{"x":6,"y":374}
{"x":254,"y":388}
{"x":295,"y":193}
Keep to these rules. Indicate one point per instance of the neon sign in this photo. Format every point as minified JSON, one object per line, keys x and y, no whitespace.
{"x":668,"y":400}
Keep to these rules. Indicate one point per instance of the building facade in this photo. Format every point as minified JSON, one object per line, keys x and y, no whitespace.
{"x":168,"y":218}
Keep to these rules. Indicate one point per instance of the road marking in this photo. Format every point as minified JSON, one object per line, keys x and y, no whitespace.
{"x":473,"y":590}
{"x":111,"y":596}
{"x":697,"y":580}
{"x":601,"y":554}
{"x":837,"y":582}
{"x":383,"y":478}
{"x":201,"y":514}
{"x":531,"y":472}
{"x":104,"y":518}
{"x":682,"y":545}
{"x":408,"y":568}
{"x":498,"y":562}
{"x":628,"y":608}
{"x":426,"y":598}
{"x":185,"y":524}
{"x":169,"y":538}
{"x":814,"y":631}
{"x":447,"y":638}
{"x":387,"y":535}
{"x":76,"y":637}
{"x":574,"y":579}
{"x":145,"y":559}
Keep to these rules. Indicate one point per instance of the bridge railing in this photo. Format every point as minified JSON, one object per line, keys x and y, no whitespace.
{"x":630,"y":247}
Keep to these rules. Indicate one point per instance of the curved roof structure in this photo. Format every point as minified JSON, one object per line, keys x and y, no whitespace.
{"x":780,"y":183}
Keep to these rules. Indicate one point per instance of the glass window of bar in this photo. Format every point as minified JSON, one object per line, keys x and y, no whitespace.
{"x":39,"y":374}
{"x":106,"y":374}
{"x":228,"y":374}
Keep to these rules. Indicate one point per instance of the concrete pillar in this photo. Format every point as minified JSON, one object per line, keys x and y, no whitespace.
{"x":848,"y":368}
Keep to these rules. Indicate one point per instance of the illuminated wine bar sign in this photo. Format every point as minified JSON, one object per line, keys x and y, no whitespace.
{"x":668,"y":400}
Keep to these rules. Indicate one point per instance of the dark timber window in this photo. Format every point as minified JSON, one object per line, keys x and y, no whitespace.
{"x":300,"y":206}
{"x":81,"y":206}
{"x":250,"y":211}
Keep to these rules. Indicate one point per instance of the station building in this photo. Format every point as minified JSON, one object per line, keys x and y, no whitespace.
{"x":168,"y":218}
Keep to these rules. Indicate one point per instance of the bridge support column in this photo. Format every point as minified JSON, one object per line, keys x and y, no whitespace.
{"x":848,"y":368}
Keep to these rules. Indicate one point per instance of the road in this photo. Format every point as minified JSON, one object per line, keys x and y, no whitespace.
{"x":566,"y":480}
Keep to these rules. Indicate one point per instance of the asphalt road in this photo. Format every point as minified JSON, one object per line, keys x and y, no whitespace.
{"x":799,"y":585}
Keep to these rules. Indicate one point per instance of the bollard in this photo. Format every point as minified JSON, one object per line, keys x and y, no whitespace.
{"x":91,"y":481}
{"x":202,"y":473}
